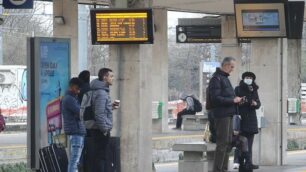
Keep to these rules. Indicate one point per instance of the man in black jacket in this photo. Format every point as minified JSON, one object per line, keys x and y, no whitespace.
{"x":223,"y":102}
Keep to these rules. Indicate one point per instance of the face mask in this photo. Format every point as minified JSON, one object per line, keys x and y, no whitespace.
{"x":248,"y":81}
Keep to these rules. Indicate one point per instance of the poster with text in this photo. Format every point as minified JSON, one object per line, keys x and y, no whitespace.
{"x":54,"y":78}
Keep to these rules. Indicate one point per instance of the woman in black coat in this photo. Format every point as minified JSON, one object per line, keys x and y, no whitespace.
{"x":247,"y":89}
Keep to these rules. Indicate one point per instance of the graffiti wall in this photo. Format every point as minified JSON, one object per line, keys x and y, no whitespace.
{"x":13,"y":93}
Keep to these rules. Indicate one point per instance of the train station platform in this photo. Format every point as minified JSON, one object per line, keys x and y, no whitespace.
{"x":296,"y":163}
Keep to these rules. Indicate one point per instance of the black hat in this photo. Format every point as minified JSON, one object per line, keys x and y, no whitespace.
{"x":250,"y":74}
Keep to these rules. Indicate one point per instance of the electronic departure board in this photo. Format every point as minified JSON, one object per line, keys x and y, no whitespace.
{"x":115,"y":26}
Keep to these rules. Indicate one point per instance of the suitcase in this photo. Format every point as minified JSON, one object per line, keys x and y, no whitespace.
{"x":113,"y":154}
{"x":112,"y":163}
{"x":45,"y":160}
{"x":53,"y":158}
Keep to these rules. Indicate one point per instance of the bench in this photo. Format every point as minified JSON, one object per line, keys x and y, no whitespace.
{"x":194,"y":122}
{"x":198,"y":156}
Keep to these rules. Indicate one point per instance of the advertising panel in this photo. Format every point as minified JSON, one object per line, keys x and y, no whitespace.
{"x":54,"y":78}
{"x":48,"y":77}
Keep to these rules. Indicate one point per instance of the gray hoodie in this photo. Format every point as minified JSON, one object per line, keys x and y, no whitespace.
{"x":102,"y":105}
{"x":189,"y":100}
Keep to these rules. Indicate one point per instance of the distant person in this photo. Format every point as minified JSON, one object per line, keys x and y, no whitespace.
{"x":2,"y":122}
{"x":84,"y":76}
{"x":224,"y":102}
{"x":241,"y":144}
{"x":209,"y":109}
{"x":247,"y":109}
{"x":192,"y":107}
{"x":73,"y":127}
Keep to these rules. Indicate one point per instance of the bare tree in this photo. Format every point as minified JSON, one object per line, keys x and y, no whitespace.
{"x":20,"y":24}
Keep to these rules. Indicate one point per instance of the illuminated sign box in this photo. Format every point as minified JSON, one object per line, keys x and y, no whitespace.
{"x":260,"y":20}
{"x":126,"y":26}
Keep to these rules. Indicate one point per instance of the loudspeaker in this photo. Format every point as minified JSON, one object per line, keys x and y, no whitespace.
{"x":294,"y":19}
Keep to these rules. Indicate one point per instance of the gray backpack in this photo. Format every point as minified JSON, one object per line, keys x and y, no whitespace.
{"x":87,"y":113}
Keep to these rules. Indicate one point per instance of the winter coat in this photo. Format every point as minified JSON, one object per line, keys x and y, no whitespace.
{"x":248,"y":113}
{"x":189,"y":101}
{"x":71,"y":114}
{"x":102,"y":105}
{"x":222,"y":95}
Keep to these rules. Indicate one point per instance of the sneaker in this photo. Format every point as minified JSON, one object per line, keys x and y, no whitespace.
{"x":236,"y":166}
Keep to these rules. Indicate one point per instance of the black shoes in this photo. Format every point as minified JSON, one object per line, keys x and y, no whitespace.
{"x":255,"y":166}
{"x":175,"y":128}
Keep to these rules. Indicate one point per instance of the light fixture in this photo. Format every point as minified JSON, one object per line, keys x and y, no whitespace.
{"x":59,"y":20}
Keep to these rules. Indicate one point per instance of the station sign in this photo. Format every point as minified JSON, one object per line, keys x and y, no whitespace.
{"x":18,"y":4}
{"x":198,"y":33}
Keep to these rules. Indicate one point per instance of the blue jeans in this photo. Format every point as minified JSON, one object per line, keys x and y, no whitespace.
{"x":76,"y":147}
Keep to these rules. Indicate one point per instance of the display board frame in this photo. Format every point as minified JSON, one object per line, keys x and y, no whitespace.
{"x":279,"y":7}
{"x":150,"y":25}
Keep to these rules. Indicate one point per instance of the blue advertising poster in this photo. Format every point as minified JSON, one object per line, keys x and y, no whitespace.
{"x":54,"y":78}
{"x":18,"y":4}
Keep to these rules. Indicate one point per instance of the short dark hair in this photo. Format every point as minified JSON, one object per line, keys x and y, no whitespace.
{"x":75,"y":81}
{"x":84,"y":76}
{"x":103,"y":72}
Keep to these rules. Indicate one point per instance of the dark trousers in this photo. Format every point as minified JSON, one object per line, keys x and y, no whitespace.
{"x":180,"y":115}
{"x":212,"y":127}
{"x":250,"y":138}
{"x":96,"y":144}
{"x":224,"y":131}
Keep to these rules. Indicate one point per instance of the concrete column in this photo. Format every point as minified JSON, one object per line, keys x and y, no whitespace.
{"x":69,"y":10}
{"x":160,"y":65}
{"x":132,"y":65}
{"x":294,"y":69}
{"x":230,"y":46}
{"x":268,"y":62}
{"x":83,"y":37}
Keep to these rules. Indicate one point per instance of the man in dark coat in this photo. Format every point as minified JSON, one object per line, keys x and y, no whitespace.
{"x":247,"y":109}
{"x":73,"y":126}
{"x":223,"y":102}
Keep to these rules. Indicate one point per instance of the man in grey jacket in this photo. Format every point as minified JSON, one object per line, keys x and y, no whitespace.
{"x":102,"y":107}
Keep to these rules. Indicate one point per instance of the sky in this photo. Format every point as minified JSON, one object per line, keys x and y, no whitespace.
{"x":173,"y":17}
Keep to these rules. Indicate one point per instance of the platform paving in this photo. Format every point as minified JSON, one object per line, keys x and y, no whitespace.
{"x":296,"y":162}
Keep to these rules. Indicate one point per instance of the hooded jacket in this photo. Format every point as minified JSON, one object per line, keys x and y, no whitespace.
{"x":102,"y":105}
{"x":222,"y":95}
{"x":71,"y":114}
{"x":189,"y":100}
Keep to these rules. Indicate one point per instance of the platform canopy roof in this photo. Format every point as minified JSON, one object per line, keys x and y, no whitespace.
{"x":203,"y":6}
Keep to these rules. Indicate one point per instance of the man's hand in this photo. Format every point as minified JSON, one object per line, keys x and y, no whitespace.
{"x":116,"y":104}
{"x":237,"y":99}
{"x":254,"y":103}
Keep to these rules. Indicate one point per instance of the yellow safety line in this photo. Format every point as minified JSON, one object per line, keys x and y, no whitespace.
{"x":296,"y":129}
{"x":175,"y":137}
{"x":12,"y":147}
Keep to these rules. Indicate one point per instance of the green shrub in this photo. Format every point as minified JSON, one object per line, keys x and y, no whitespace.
{"x":19,"y":167}
{"x":292,"y":145}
